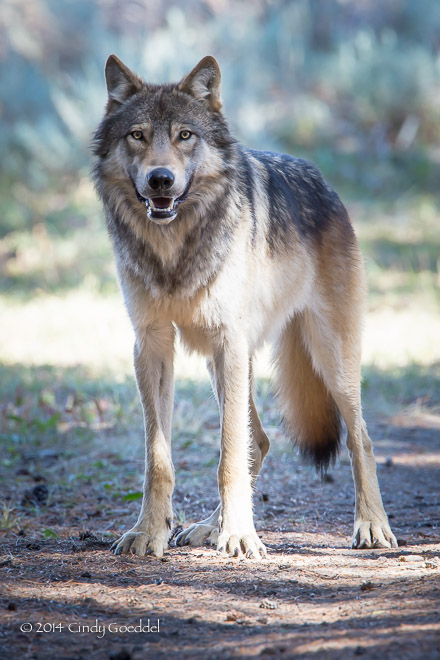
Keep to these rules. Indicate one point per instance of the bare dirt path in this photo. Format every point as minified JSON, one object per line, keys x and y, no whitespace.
{"x":312,"y":598}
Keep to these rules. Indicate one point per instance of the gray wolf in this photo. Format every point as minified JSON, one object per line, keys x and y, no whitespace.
{"x":229,"y":247}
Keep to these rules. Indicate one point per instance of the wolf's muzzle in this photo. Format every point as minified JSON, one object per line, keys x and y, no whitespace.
{"x":162,"y":209}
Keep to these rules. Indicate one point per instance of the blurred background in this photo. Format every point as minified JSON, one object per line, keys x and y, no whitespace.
{"x":352,"y":85}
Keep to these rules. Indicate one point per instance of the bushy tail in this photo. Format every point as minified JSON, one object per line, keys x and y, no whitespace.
{"x":310,"y":415}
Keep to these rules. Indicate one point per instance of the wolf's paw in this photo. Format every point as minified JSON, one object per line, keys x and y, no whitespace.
{"x":237,"y":545}
{"x":198,"y":534}
{"x":373,"y":535}
{"x":140,"y":543}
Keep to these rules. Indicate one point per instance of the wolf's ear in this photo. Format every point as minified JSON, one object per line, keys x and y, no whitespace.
{"x":203,"y":82}
{"x":121,"y":83}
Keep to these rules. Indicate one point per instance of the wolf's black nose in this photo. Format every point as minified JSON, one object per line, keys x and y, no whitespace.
{"x":160,"y":178}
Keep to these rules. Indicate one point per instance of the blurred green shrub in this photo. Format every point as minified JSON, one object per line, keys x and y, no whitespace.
{"x":352,"y":85}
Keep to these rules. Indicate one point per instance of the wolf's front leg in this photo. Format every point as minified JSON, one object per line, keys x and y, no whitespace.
{"x":237,"y":533}
{"x":153,"y":358}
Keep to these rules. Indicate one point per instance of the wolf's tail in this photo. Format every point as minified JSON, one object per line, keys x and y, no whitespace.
{"x":311,"y":417}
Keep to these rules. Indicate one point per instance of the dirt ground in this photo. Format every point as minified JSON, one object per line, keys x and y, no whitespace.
{"x":69,"y":597}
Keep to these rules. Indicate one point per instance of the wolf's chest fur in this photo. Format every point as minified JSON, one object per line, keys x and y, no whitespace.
{"x":180,"y":273}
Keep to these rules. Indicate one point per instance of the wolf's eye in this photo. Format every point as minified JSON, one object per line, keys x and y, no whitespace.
{"x":137,"y":135}
{"x":185,"y":135}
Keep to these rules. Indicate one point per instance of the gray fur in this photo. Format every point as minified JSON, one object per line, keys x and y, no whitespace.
{"x":239,"y":246}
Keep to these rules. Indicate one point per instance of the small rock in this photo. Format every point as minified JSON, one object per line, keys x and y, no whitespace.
{"x":38,"y":495}
{"x":12,"y":606}
{"x":274,"y":650}
{"x":265,"y":497}
{"x":89,"y":540}
{"x":86,"y":574}
{"x":431,"y":564}
{"x":123,"y":654}
{"x":96,"y":513}
{"x":194,"y":619}
{"x":388,"y":464}
{"x":401,"y":542}
{"x":267,"y":604}
{"x":359,"y":650}
{"x":367,"y":586}
{"x":411,"y":558}
{"x":328,"y":478}
{"x":231,"y":617}
{"x":33,"y":546}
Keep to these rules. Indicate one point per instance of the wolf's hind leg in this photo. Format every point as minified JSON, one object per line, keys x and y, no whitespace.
{"x":335,"y":353}
{"x":206,"y":531}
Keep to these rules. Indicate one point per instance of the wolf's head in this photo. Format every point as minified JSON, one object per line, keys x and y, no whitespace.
{"x":156,"y":143}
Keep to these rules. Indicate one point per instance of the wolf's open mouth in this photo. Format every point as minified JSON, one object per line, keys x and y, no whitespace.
{"x":162,"y":209}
